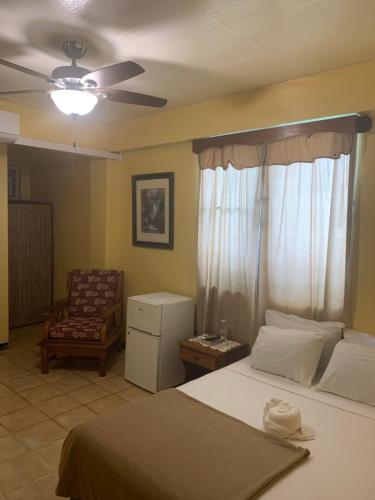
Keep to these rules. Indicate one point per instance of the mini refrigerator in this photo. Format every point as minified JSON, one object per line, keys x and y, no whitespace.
{"x":156,"y":322}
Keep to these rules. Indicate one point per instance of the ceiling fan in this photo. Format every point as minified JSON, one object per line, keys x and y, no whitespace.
{"x":76,"y":90}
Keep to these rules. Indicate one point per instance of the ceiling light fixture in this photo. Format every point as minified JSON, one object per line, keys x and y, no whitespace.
{"x":74,"y":102}
{"x":76,"y":90}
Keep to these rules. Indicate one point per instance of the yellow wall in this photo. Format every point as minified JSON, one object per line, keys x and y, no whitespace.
{"x":335,"y":92}
{"x":340,"y":91}
{"x":161,"y":142}
{"x":3,"y":245}
{"x":98,"y":187}
{"x":148,"y":269}
{"x":67,"y":186}
{"x":51,"y":125}
{"x":56,"y":127}
{"x":364,"y":265}
{"x":78,"y":190}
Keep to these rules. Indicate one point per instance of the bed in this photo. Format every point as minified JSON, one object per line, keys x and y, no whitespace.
{"x":340,"y":466}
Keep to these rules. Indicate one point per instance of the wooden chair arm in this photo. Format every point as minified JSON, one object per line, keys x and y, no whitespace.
{"x":107,"y":313}
{"x":58,"y":305}
{"x":57,"y":312}
{"x":113,"y":318}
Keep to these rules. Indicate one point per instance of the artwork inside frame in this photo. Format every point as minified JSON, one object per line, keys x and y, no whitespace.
{"x":153,"y":210}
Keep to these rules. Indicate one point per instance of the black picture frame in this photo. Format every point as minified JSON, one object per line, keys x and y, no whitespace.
{"x":153,"y":210}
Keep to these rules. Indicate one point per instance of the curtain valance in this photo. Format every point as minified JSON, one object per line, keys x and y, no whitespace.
{"x":239,"y":156}
{"x":302,"y":143}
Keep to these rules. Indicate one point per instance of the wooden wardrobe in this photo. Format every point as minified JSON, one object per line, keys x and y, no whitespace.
{"x":30,"y":261}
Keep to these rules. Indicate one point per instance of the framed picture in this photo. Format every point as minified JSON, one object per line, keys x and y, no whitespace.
{"x":12,"y":183}
{"x":153,"y":210}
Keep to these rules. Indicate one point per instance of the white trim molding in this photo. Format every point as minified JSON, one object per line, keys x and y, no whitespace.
{"x":68,"y":148}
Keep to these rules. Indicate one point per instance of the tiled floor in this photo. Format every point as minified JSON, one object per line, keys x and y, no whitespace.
{"x":37,"y":411}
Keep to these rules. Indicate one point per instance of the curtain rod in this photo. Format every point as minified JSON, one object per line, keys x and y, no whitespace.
{"x":347,"y":124}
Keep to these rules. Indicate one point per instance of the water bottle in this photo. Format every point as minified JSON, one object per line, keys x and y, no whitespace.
{"x":223,"y":329}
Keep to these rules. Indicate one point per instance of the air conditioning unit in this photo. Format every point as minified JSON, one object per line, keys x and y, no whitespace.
{"x":9,"y":127}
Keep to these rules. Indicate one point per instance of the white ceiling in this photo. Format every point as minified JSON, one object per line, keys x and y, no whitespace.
{"x":192,"y":50}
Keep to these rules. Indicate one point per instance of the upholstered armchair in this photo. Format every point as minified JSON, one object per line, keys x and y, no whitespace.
{"x":89,"y":323}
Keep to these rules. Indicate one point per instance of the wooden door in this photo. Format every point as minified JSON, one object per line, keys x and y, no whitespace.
{"x":30,"y":261}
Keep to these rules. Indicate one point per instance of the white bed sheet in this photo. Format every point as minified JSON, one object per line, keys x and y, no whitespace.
{"x":341,"y":465}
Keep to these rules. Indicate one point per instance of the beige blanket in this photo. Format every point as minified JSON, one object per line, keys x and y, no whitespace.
{"x":171,"y":447}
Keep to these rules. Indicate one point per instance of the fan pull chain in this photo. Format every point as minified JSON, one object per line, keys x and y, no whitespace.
{"x":74,"y":139}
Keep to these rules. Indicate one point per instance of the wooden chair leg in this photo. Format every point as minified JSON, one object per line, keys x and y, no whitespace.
{"x":102,"y":366}
{"x":120,"y":344}
{"x":44,"y":359}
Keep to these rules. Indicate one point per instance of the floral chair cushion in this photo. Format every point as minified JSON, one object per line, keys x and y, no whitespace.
{"x":75,"y":328}
{"x":93,"y":291}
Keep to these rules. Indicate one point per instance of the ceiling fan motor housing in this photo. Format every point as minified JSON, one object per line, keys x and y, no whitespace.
{"x":71,"y":72}
{"x":70,"y":77}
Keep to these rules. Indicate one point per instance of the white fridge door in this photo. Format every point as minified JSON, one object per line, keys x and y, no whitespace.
{"x":142,"y":359}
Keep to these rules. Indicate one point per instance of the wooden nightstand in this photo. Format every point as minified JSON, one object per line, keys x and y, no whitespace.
{"x":200,"y":360}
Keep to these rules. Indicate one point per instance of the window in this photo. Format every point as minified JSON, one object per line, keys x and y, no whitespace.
{"x":272,"y":237}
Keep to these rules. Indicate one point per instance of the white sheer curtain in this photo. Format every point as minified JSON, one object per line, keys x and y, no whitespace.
{"x":275,"y":237}
{"x":228,"y":241}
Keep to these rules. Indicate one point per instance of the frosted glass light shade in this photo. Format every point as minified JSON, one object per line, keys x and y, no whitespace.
{"x":74,"y":102}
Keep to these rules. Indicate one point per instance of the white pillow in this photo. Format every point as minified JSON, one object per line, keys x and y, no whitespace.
{"x":351,"y":373}
{"x":333,"y":328}
{"x":359,"y":338}
{"x":288,"y":353}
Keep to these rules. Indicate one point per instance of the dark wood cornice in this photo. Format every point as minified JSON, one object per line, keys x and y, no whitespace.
{"x":348,"y":124}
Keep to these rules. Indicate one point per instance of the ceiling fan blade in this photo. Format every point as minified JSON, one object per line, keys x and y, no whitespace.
{"x":28,"y":71}
{"x":14,"y":92}
{"x":114,"y":74}
{"x":132,"y":97}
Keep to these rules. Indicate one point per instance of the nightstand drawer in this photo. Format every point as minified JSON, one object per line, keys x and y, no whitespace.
{"x":198,"y":358}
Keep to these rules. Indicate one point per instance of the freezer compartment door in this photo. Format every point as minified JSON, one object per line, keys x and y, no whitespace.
{"x":143,"y":316}
{"x":142,"y":359}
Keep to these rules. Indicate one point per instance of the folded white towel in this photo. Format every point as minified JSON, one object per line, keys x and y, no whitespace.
{"x":282,"y":419}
